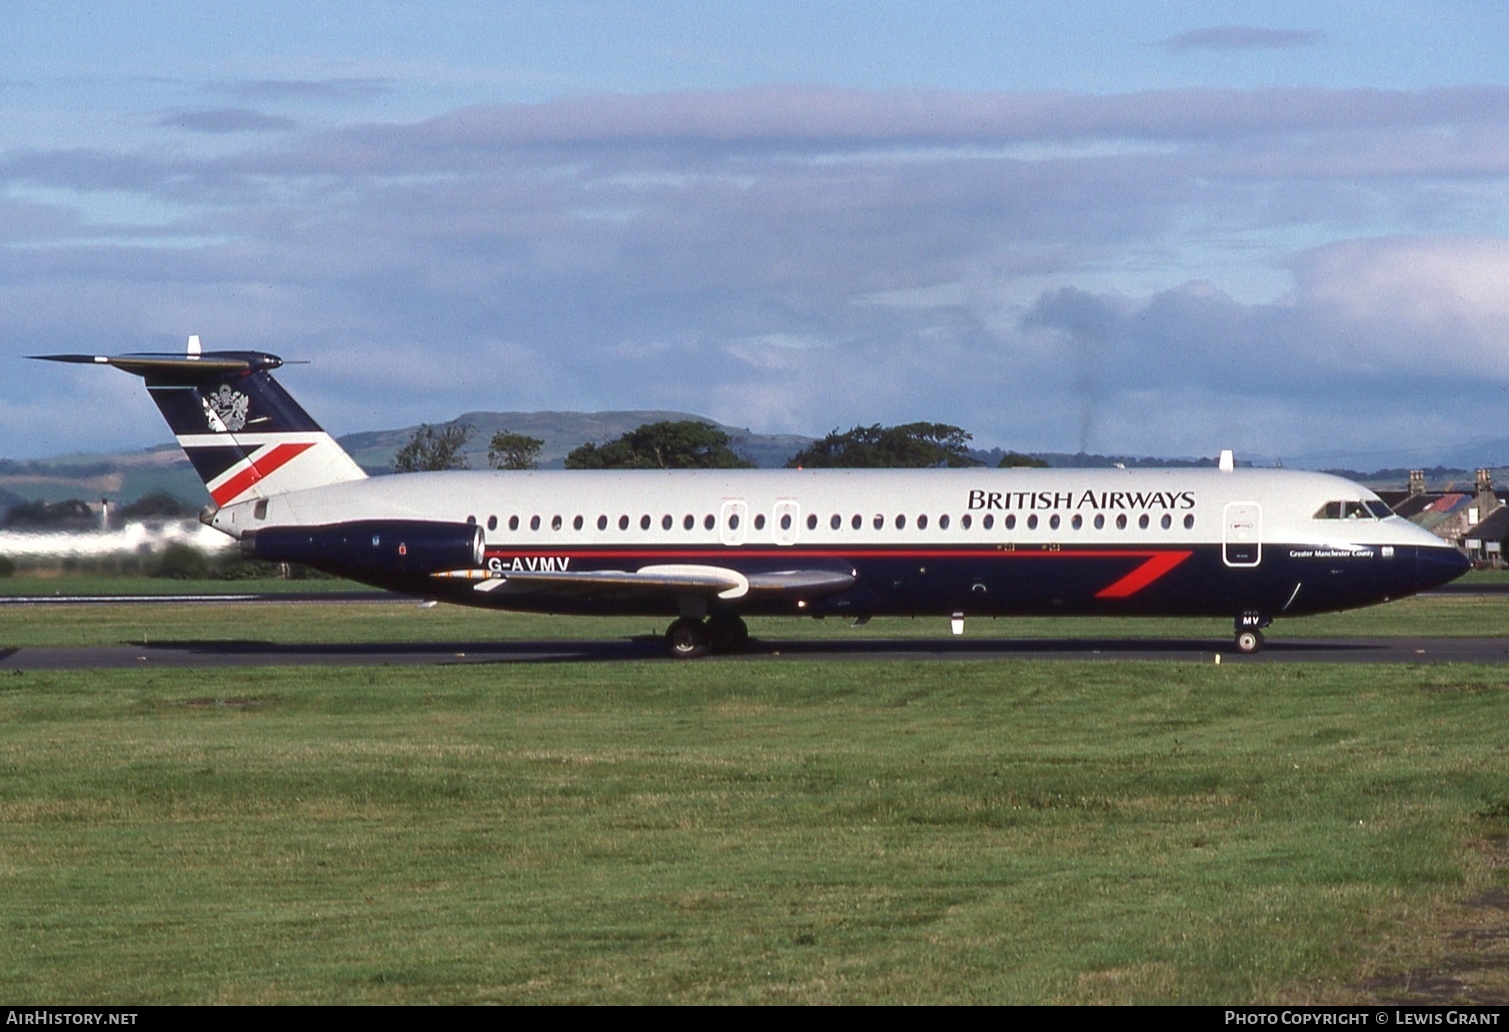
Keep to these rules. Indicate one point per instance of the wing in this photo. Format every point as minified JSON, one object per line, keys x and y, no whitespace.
{"x":718,"y":581}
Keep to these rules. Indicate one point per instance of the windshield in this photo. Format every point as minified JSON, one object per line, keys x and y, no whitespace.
{"x":1352,"y":509}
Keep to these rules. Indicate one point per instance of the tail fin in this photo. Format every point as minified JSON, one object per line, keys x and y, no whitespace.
{"x":245,"y":435}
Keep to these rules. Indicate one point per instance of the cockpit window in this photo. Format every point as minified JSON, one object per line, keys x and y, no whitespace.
{"x":1348,"y":510}
{"x":1379,"y":508}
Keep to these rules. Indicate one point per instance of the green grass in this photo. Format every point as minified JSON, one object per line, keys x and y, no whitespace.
{"x":20,"y":626}
{"x":33,"y":584}
{"x":803,"y":832}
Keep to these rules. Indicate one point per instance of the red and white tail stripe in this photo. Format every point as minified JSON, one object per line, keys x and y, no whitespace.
{"x":272,"y":463}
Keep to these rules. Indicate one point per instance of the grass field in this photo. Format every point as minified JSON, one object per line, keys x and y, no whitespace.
{"x":404,"y":621}
{"x":728,"y":832}
{"x":804,"y":832}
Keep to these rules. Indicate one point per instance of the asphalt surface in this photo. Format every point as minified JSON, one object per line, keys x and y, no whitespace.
{"x":251,"y":653}
{"x":284,"y":598}
{"x":213,"y":654}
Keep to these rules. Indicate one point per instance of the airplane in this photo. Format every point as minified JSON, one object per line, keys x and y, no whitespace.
{"x":710,"y":547}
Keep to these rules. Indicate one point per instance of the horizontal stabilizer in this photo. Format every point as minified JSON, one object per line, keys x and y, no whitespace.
{"x":191,"y":368}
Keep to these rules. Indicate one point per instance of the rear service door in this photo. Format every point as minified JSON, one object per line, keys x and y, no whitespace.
{"x":1242,"y":534}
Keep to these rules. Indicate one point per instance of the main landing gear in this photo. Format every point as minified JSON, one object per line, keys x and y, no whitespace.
{"x":1249,"y":632}
{"x":689,"y":638}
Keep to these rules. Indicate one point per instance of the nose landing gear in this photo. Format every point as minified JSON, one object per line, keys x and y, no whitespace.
{"x":1249,"y":632}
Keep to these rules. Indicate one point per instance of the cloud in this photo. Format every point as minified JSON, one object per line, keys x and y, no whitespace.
{"x":800,"y":118}
{"x":1170,"y":271}
{"x":340,"y":90}
{"x":1240,"y":37}
{"x":1432,"y":306}
{"x":225,"y":120}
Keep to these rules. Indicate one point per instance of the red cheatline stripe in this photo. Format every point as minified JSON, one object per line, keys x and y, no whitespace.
{"x":1157,"y":563}
{"x":263,"y":464}
{"x":857,"y":552}
{"x":1156,"y":566}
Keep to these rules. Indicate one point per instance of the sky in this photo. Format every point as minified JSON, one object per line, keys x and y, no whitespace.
{"x":1134,"y":228}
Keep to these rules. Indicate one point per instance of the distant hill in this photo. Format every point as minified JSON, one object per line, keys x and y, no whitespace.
{"x":121,"y":477}
{"x":124,"y":477}
{"x":562,"y":432}
{"x":127,"y":476}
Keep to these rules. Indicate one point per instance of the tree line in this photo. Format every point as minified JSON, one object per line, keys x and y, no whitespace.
{"x":691,"y":444}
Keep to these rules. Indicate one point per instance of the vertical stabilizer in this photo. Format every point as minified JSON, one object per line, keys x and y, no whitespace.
{"x":245,"y":435}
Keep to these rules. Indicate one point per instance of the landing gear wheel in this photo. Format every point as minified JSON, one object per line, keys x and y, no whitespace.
{"x":729,"y":634}
{"x":687,"y":639}
{"x":1249,"y":642}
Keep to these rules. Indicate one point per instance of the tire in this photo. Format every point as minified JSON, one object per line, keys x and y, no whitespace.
{"x":729,"y":635}
{"x":687,"y":639}
{"x":1249,"y":642}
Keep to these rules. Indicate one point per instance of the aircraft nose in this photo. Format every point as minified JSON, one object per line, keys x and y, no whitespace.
{"x":1437,"y":566}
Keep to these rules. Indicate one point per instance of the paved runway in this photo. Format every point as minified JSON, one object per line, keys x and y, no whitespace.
{"x":162,"y":655}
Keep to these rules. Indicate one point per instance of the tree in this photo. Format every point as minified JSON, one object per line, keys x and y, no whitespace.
{"x":509,"y":450}
{"x":69,"y":514}
{"x":434,"y":448}
{"x":911,"y":445}
{"x":159,"y":505}
{"x":1016,"y":460}
{"x":673,"y":444}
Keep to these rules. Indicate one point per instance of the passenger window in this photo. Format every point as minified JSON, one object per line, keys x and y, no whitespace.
{"x":1053,"y":521}
{"x":1100,"y":521}
{"x":1032,"y":522}
{"x":943,"y":522}
{"x":990,"y":521}
{"x":1189,"y":521}
{"x":759,"y":521}
{"x":576,"y":524}
{"x":900,"y":521}
{"x":666,"y":521}
{"x":602,"y":523}
{"x":623,"y":522}
{"x":857,"y":521}
{"x":1142,"y":521}
{"x":555,"y":522}
{"x":812,"y":521}
{"x":689,"y":522}
{"x":644,"y":522}
{"x":709,"y":522}
{"x":534,"y":523}
{"x":1121,"y":521}
{"x":836,"y":522}
{"x":492,"y":522}
{"x":1168,"y":521}
{"x":922,"y":522}
{"x":733,"y":521}
{"x":879,"y":521}
{"x":965,"y":521}
{"x":1077,"y":522}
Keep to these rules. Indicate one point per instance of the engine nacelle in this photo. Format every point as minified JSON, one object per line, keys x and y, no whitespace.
{"x":416,"y":547}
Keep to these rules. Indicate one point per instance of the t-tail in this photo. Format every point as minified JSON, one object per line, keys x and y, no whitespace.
{"x":244,"y":433}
